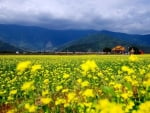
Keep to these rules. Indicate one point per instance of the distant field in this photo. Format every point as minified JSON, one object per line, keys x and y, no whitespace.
{"x":75,"y":84}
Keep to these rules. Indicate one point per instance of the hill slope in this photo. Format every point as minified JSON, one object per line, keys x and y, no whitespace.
{"x":143,"y":40}
{"x":100,"y":41}
{"x":7,"y":48}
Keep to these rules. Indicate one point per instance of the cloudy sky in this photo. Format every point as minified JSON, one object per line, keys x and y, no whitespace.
{"x":129,"y":16}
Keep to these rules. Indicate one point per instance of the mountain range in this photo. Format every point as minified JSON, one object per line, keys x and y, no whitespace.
{"x":36,"y":39}
{"x":7,"y":48}
{"x":107,"y":39}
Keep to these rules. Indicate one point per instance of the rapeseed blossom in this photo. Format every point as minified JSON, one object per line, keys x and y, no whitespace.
{"x":133,"y":58}
{"x":120,"y":86}
{"x":88,"y":104}
{"x":144,"y":107}
{"x":104,"y":106}
{"x":147,"y":83}
{"x":89,"y":65}
{"x":65,"y":90}
{"x":128,"y":78}
{"x":66,"y":75}
{"x":126,"y":95}
{"x":84,"y":83}
{"x":46,"y":81}
{"x":23,"y":65}
{"x":129,"y":106}
{"x":13,"y":92}
{"x":71,"y":96}
{"x":58,"y":88}
{"x":117,"y":86}
{"x":88,"y":93}
{"x":28,"y":86}
{"x":79,"y":80}
{"x":31,"y":108}
{"x":46,"y":92}
{"x":2,"y":92}
{"x":60,"y":101}
{"x":127,"y":69}
{"x":134,"y":83}
{"x":10,"y":98}
{"x":35,"y":68}
{"x":46,"y":100}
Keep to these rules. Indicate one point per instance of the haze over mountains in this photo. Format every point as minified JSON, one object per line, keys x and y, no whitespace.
{"x":38,"y":39}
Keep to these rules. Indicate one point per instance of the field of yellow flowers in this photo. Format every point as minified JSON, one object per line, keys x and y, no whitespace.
{"x":75,"y":84}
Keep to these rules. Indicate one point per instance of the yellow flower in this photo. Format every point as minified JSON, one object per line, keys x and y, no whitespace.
{"x":65,"y":90}
{"x":58,"y":88}
{"x":127,"y":95}
{"x":100,"y":74}
{"x":144,"y":107}
{"x":88,"y":104}
{"x":116,"y":108}
{"x":118,"y":86}
{"x":85,"y":83}
{"x":133,"y":58}
{"x":71,"y":96}
{"x":124,"y":95}
{"x":128,"y":78}
{"x":142,"y":71}
{"x":35,"y":68}
{"x":23,"y":65}
{"x":27,"y":86}
{"x":79,"y":80}
{"x":134,"y":83}
{"x":148,"y":75}
{"x":10,"y":98}
{"x":66,"y":76}
{"x":46,"y":81}
{"x":143,"y":92}
{"x":27,"y":106}
{"x":60,"y":101}
{"x":45,"y":92}
{"x":147,"y":83}
{"x":89,"y":65}
{"x":104,"y":106}
{"x":88,"y":93}
{"x":127,"y":69}
{"x":30,"y":108}
{"x":46,"y":100}
{"x":129,"y":106}
{"x":13,"y":92}
{"x":2,"y":92}
{"x":111,"y":83}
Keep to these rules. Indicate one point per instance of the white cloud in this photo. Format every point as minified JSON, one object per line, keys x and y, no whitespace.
{"x":119,"y":15}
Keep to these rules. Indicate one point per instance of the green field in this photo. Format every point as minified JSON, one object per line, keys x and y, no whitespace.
{"x":75,"y":84}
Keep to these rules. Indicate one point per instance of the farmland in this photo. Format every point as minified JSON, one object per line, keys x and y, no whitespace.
{"x":75,"y":84}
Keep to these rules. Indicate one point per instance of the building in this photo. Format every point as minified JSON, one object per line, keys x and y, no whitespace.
{"x":118,"y":49}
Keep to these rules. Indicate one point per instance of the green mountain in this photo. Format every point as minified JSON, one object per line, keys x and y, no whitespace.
{"x":97,"y":42}
{"x":7,"y":48}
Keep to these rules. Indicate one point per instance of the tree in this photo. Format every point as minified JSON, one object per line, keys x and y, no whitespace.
{"x":107,"y":50}
{"x":134,"y":49}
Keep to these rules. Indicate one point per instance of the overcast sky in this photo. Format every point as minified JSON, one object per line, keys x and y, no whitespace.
{"x":129,"y":16}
